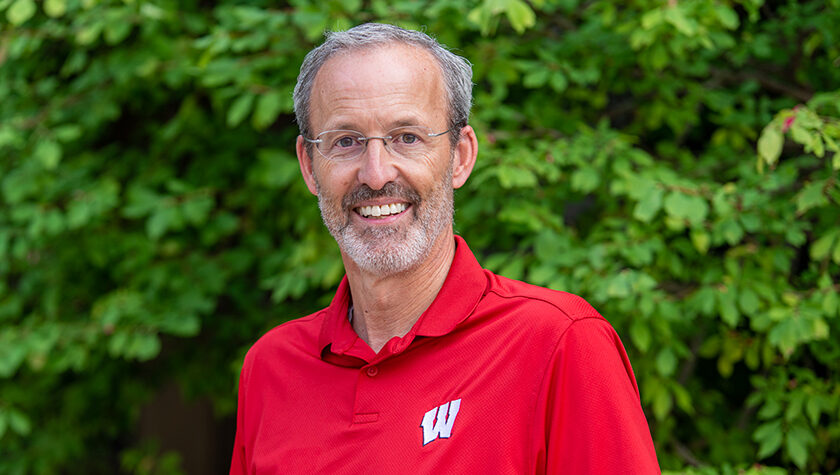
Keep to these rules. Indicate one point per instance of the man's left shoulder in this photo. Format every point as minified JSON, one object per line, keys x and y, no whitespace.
{"x":542,"y":303}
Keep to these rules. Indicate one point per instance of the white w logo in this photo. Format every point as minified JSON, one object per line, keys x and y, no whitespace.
{"x":440,"y":426}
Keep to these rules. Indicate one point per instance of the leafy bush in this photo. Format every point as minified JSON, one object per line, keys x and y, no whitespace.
{"x":675,"y":163}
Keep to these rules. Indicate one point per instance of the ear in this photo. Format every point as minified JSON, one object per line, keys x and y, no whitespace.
{"x":305,"y":162}
{"x":464,"y":157}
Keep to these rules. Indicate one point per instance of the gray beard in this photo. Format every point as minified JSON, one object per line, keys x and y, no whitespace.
{"x":387,"y":250}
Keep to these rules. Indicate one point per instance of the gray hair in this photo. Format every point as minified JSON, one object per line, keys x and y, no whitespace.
{"x":457,"y":71}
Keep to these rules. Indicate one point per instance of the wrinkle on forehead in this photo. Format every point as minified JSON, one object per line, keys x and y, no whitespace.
{"x":381,"y":87}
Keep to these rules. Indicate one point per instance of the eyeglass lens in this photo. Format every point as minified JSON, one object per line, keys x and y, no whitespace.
{"x":406,"y":142}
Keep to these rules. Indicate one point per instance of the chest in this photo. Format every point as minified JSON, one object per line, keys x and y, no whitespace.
{"x":439,"y":405}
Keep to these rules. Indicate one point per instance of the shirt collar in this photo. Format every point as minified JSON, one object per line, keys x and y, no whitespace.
{"x":464,"y":286}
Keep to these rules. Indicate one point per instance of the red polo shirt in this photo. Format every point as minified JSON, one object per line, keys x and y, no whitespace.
{"x":496,"y":376}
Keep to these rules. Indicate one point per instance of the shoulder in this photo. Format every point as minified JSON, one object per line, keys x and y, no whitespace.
{"x":543,"y":303}
{"x":295,"y":336}
{"x":528,"y":315}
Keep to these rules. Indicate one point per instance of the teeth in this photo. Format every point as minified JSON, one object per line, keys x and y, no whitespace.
{"x":384,"y":210}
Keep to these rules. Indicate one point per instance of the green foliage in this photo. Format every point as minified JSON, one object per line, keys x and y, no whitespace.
{"x":675,"y":163}
{"x":146,"y":460}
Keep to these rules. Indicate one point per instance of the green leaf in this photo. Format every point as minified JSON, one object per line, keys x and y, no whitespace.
{"x":649,"y":205}
{"x":162,"y":220}
{"x":5,"y":237}
{"x":786,"y":334}
{"x":651,"y":19}
{"x":794,"y":408}
{"x":181,"y":325}
{"x":640,"y":334}
{"x":676,"y":16}
{"x":143,"y":346}
{"x":48,"y":153}
{"x":770,"y":410}
{"x":619,"y":285}
{"x":700,"y":239}
{"x":19,"y":423}
{"x":559,"y":81}
{"x":802,"y":136}
{"x":813,"y":408}
{"x":691,"y":208}
{"x":770,"y":144}
{"x":536,"y":77}
{"x":12,"y":355}
{"x":666,"y":362}
{"x":822,"y":247}
{"x":731,"y":231}
{"x":835,"y":256}
{"x":88,"y":33}
{"x":240,"y":109}
{"x":658,"y":56}
{"x":662,"y":403}
{"x":727,"y":16}
{"x":683,"y":398}
{"x":811,"y":196}
{"x":520,"y":15}
{"x":728,"y":311}
{"x":117,"y":343}
{"x":67,"y":132}
{"x":769,"y":436}
{"x":196,"y":210}
{"x":585,"y":179}
{"x":116,"y":30}
{"x":483,"y":17}
{"x":55,"y":8}
{"x":819,"y":329}
{"x":830,"y":303}
{"x":797,"y":441}
{"x":750,"y":221}
{"x":515,"y":177}
{"x":748,"y":301}
{"x":20,"y":12}
{"x":268,"y":108}
{"x":513,"y":269}
{"x":818,"y":146}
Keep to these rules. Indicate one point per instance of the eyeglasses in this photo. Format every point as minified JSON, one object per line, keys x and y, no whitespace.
{"x":410,"y":142}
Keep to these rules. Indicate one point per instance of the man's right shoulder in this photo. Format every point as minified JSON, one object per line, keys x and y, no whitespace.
{"x":300,"y":334}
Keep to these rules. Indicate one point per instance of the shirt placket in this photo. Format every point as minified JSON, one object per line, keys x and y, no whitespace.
{"x":369,"y":394}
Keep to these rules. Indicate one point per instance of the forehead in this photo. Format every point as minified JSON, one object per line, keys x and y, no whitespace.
{"x":378,"y":87}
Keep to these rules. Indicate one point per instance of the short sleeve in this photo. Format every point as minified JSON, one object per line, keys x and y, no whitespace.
{"x":590,"y":418}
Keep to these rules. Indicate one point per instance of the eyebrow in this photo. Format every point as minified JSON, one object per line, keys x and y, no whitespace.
{"x":402,"y":122}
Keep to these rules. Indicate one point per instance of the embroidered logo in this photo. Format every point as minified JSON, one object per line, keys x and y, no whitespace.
{"x":439,"y":421}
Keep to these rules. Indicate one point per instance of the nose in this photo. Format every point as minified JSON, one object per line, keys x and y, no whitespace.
{"x":376,"y":165}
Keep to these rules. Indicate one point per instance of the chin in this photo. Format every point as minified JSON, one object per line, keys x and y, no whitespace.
{"x":386,"y":251}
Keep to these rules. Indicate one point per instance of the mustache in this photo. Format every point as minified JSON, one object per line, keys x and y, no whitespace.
{"x":390,"y":190}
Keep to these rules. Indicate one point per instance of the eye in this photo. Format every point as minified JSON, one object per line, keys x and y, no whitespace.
{"x":407,"y":138}
{"x":345,"y":141}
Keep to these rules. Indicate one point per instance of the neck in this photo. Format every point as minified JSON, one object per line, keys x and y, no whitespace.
{"x":388,"y":306}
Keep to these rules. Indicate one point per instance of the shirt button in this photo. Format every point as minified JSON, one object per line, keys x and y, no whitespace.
{"x":372,"y":371}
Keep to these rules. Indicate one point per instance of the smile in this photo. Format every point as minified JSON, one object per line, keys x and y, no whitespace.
{"x":383,"y":210}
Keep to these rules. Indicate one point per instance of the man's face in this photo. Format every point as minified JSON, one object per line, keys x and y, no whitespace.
{"x":373,"y":91}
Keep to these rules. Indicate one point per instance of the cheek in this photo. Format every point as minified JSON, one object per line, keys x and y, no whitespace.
{"x":333,"y":179}
{"x":433,"y":164}
{"x":435,"y":169}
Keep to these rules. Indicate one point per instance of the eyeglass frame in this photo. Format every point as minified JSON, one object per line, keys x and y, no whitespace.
{"x":365,"y":139}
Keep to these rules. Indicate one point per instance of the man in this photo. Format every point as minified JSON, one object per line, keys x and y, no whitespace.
{"x":423,"y":362}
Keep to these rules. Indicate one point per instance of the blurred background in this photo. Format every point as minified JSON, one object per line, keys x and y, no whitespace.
{"x":674,"y":162}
